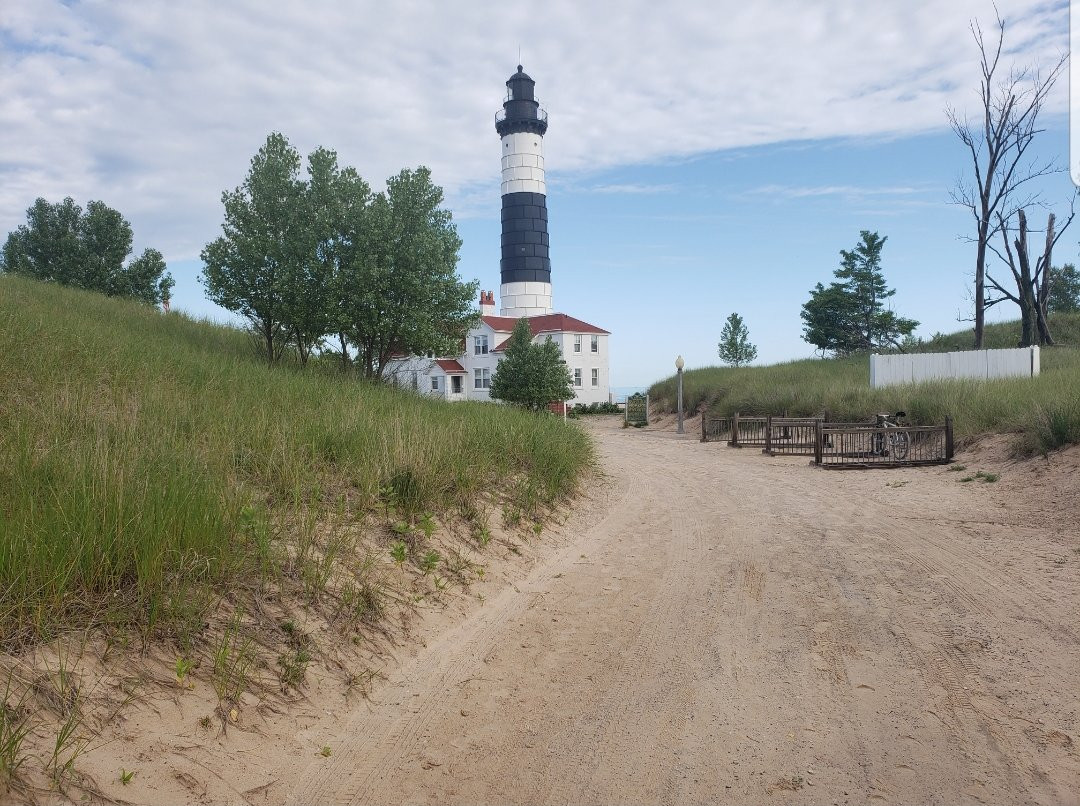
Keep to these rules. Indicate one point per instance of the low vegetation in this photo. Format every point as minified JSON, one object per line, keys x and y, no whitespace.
{"x":1044,"y":411}
{"x":149,"y":461}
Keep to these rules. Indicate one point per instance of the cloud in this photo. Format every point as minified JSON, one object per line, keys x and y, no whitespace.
{"x":845,"y":191}
{"x":158,"y":107}
{"x":628,"y":188}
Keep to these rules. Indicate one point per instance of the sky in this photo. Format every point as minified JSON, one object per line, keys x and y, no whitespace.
{"x":702,"y":158}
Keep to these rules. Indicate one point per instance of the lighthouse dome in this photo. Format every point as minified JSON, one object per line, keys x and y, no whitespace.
{"x":521,"y":111}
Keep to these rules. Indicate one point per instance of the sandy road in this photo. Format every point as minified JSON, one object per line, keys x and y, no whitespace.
{"x":734,"y":628}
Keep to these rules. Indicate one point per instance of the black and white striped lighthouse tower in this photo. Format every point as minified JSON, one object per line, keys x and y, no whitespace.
{"x":525,"y":265}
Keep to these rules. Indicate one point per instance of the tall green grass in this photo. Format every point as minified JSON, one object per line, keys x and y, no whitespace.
{"x":134,"y":447}
{"x":1045,"y":410}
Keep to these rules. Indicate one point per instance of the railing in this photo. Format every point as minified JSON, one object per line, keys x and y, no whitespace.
{"x":715,"y":429}
{"x":791,"y":436}
{"x":541,"y":119}
{"x":842,"y":446}
{"x":541,"y":115}
{"x":747,"y":431}
{"x":835,"y":445}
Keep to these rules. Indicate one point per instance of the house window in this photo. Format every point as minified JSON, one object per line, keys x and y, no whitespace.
{"x":480,"y":345}
{"x":435,"y":384}
{"x":481,"y":378}
{"x":577,"y":343}
{"x":596,"y":377}
{"x":455,"y":384}
{"x":577,"y":377}
{"x":595,"y":345}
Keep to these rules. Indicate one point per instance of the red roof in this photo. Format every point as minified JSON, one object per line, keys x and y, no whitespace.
{"x":450,"y":366}
{"x":545,"y":323}
{"x":548,"y":323}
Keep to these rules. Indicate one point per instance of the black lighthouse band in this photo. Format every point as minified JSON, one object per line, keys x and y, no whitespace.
{"x":525,"y":239}
{"x":525,"y":263}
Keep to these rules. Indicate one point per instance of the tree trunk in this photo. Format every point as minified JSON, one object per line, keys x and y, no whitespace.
{"x":980,"y":284}
{"x":1042,"y":293}
{"x":344,"y":353}
{"x":268,"y":337}
{"x":1026,"y":288}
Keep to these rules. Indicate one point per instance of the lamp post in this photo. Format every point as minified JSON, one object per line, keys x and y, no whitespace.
{"x":678,"y":366}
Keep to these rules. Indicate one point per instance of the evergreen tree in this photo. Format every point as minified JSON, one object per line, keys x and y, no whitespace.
{"x":531,"y":375}
{"x":735,"y":347}
{"x":850,"y":316}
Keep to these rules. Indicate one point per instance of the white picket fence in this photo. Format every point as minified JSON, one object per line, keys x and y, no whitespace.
{"x":890,"y":370}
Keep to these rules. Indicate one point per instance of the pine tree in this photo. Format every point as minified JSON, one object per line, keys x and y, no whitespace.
{"x":850,"y":316}
{"x":735,"y":347}
{"x":531,"y":375}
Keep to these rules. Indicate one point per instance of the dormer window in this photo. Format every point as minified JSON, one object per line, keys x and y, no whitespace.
{"x":480,"y":345}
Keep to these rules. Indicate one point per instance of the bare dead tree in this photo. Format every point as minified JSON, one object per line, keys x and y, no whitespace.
{"x":1031,"y":279}
{"x":998,"y":145}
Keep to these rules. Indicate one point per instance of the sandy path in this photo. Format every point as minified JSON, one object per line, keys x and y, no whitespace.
{"x":738,"y":628}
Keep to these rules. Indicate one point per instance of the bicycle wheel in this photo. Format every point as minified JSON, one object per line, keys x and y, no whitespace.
{"x":899,"y":444}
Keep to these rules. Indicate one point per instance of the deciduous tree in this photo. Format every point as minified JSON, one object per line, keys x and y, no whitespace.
{"x":1064,"y":292}
{"x":1031,"y":278}
{"x":401,"y":291}
{"x":313,"y":279}
{"x":997,"y":143}
{"x":61,"y":243}
{"x":247,"y":270}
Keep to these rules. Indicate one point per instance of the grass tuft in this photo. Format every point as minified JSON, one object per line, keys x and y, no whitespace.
{"x":148,"y":462}
{"x":1045,"y":410}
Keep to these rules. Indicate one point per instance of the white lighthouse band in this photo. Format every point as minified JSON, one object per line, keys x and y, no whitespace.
{"x":525,"y":266}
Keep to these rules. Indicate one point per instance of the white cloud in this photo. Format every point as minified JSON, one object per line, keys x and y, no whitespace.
{"x":847,"y":191}
{"x":157,"y":107}
{"x":628,"y":188}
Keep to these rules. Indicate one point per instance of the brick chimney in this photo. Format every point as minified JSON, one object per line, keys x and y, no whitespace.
{"x":487,"y":303}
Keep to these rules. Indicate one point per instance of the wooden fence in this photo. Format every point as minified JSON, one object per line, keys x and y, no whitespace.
{"x":737,"y":431}
{"x":841,"y":446}
{"x":747,"y":431}
{"x":791,"y":436}
{"x":715,"y":429}
{"x":835,"y":445}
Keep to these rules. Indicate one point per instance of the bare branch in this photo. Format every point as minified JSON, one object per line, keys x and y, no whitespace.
{"x":998,"y":153}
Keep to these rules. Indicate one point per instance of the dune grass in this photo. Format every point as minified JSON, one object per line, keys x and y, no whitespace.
{"x":140,"y":452}
{"x":1044,"y":410}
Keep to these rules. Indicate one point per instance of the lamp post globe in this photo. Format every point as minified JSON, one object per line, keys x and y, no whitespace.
{"x":679,"y":364}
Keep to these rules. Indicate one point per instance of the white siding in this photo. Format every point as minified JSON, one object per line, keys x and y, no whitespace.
{"x":523,"y":163}
{"x":525,"y":299}
{"x":417,"y":372}
{"x":587,"y":361}
{"x":890,"y":370}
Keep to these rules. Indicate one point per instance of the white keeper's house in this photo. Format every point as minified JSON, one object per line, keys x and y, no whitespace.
{"x":525,"y":270}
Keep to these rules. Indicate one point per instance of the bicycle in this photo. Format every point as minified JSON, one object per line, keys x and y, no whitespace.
{"x":892,"y":439}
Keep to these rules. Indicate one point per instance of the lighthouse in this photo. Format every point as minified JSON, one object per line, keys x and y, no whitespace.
{"x":525,"y":273}
{"x":525,"y":266}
